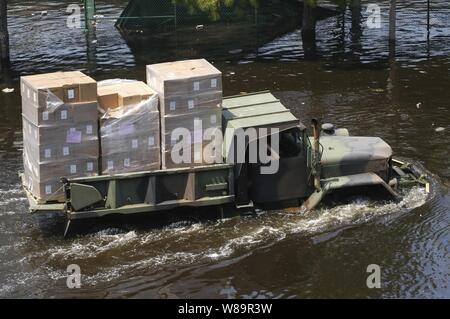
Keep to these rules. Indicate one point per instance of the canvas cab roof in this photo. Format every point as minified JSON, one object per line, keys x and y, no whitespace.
{"x":255,"y":110}
{"x":260,"y":109}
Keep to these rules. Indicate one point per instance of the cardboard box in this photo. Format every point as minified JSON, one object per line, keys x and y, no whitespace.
{"x":123,"y":94}
{"x":60,"y":130}
{"x":44,"y":180}
{"x":59,"y":135}
{"x":54,"y":170}
{"x":69,"y":87}
{"x":137,"y":160}
{"x":62,"y":114}
{"x":130,"y":128}
{"x":182,"y":78}
{"x":179,"y":105}
{"x":196,"y":124}
{"x":49,"y":191}
{"x":190,"y":95}
{"x":199,"y":155}
{"x":61,"y":96}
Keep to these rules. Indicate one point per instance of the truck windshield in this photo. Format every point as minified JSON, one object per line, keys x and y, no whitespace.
{"x":291,"y":143}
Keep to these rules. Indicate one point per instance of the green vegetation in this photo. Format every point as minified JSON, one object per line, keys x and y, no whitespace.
{"x":214,"y":7}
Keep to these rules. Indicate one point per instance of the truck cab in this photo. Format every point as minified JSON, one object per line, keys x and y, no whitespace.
{"x":338,"y":161}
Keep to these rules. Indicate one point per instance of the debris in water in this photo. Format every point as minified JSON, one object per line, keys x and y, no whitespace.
{"x":378,"y":90}
{"x":199,"y":27}
{"x":8,"y":90}
{"x":439,"y":129}
{"x":418,"y":105}
{"x":94,"y":41}
{"x":235,"y":51}
{"x":44,"y":13}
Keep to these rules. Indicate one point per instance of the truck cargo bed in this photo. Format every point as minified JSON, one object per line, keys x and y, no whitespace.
{"x":143,"y":192}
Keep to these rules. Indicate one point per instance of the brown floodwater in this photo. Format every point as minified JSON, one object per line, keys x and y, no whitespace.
{"x":349,"y":79}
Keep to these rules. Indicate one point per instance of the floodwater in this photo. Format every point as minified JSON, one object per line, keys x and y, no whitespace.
{"x":348,"y":79}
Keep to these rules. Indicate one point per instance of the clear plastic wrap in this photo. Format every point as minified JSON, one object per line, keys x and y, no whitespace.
{"x":130,"y":135}
{"x":190,"y":95}
{"x":60,"y":131}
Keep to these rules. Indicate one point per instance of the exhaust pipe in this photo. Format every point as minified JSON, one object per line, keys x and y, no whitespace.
{"x":316,"y":154}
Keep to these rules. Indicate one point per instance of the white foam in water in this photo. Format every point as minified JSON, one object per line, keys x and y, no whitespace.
{"x":182,"y":244}
{"x":93,"y":246}
{"x":7,"y":213}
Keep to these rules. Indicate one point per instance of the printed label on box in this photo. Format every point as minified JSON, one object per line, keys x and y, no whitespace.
{"x":70,"y":94}
{"x":48,"y":153}
{"x":45,"y":116}
{"x":213,"y":119}
{"x":48,"y":189}
{"x":151,"y":141}
{"x":126,"y":162}
{"x":196,"y":86}
{"x":173,"y":105}
{"x":73,"y":169}
{"x":65,"y":150}
{"x":197,"y":156}
{"x":73,"y":136}
{"x":213,"y":83}
{"x":64,"y":115}
{"x":90,"y":166}
{"x":89,"y":129}
{"x":110,"y":165}
{"x":134,"y":143}
{"x":191,"y":104}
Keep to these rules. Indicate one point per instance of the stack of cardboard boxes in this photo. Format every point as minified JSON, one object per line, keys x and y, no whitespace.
{"x":130,"y":138}
{"x":60,"y":129}
{"x":61,"y":124}
{"x":190,"y":94}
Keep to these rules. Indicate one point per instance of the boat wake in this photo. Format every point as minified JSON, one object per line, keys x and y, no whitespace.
{"x":117,"y":254}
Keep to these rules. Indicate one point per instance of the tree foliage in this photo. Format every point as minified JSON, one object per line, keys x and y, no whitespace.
{"x":213,"y":7}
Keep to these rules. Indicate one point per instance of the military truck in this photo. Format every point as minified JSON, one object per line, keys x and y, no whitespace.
{"x":308,"y":168}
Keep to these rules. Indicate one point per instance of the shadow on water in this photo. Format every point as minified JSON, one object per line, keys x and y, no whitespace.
{"x":232,"y":32}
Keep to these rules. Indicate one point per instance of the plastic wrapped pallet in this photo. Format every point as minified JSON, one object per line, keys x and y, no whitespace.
{"x":190,"y":94}
{"x":130,"y":130}
{"x":60,"y":131}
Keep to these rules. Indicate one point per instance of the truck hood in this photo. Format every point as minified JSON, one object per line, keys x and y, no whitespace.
{"x":347,"y":155}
